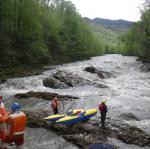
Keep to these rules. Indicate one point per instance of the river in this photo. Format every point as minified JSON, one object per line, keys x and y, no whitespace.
{"x":128,"y":96}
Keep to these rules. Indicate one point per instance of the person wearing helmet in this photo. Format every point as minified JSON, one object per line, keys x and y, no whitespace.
{"x":103,"y":111}
{"x":55,"y":105}
{"x":16,"y":124}
{"x":3,"y":127}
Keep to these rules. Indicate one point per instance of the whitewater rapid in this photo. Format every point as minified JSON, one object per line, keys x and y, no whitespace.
{"x":128,"y":96}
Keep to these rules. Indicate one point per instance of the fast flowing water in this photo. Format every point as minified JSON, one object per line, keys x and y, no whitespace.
{"x":128,"y":96}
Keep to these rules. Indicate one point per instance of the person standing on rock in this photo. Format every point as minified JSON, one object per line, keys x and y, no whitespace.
{"x":103,"y":111}
{"x":55,"y":105}
{"x":16,"y":124}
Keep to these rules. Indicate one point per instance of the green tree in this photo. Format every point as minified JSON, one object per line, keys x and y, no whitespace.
{"x":137,"y":40}
{"x":38,"y":32}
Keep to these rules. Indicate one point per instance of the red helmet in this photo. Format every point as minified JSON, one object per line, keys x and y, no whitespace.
{"x":1,"y":97}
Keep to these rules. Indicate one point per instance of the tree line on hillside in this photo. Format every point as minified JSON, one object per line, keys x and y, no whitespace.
{"x":137,"y":40}
{"x":39,"y":32}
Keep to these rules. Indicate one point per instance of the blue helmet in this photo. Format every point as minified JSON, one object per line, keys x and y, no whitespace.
{"x":15,"y":106}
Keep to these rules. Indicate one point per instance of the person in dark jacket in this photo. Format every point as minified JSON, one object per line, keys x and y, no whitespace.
{"x":103,"y":111}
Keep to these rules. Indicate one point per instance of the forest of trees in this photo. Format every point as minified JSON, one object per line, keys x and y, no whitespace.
{"x":39,"y":32}
{"x":137,"y":40}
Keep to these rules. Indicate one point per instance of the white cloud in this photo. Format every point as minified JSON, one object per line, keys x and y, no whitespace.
{"x":111,"y":9}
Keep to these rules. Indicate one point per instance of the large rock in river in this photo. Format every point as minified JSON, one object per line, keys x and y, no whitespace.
{"x":62,"y":79}
{"x":71,"y":80}
{"x":102,"y":74}
{"x":2,"y":81}
{"x":145,"y":67}
{"x":54,"y":83}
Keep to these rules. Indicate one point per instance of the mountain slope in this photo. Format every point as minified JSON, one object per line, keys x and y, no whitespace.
{"x":116,"y":24}
{"x":108,"y":31}
{"x":121,"y":24}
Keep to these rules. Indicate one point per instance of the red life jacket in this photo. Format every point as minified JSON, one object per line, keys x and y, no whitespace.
{"x":55,"y":104}
{"x":102,"y":108}
{"x":16,"y":125}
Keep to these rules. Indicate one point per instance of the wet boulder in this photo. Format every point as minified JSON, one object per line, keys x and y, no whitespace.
{"x":2,"y":81}
{"x":45,"y":95}
{"x":62,"y":79}
{"x":36,"y":119}
{"x":54,"y":83}
{"x":145,"y":67}
{"x":134,"y":135}
{"x":102,"y":74}
{"x":91,"y":69}
{"x":71,"y":80}
{"x":99,"y":85}
{"x":128,"y":116}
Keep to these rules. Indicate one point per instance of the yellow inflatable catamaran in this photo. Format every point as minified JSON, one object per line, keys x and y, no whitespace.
{"x":73,"y":119}
{"x":56,"y":117}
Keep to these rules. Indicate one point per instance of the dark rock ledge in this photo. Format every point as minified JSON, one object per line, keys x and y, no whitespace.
{"x":102,"y":74}
{"x":44,"y":95}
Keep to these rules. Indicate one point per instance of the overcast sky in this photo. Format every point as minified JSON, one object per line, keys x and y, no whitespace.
{"x":109,"y":9}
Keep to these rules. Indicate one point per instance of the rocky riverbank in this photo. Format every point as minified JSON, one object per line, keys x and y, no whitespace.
{"x":90,"y":131}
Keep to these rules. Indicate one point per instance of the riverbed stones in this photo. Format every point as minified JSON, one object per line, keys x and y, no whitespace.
{"x":54,"y":83}
{"x":134,"y":135}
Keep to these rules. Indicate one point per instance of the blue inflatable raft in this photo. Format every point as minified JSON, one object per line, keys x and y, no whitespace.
{"x":53,"y":118}
{"x":82,"y":116}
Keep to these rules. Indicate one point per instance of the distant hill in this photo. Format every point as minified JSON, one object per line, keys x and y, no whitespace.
{"x":119,"y":24}
{"x":108,"y":31}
